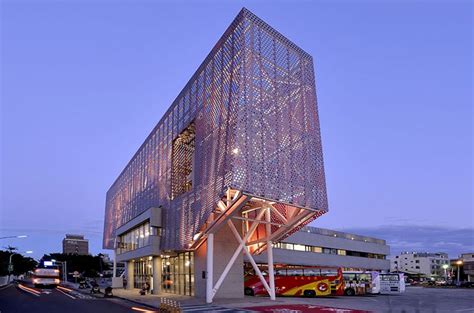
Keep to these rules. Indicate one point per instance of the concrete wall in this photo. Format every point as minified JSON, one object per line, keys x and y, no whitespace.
{"x":3,"y":280}
{"x":322,"y":259}
{"x":306,"y":238}
{"x":224,"y":247}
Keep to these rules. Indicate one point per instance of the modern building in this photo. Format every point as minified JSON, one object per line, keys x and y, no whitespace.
{"x":465,"y":265}
{"x":234,"y":166}
{"x":75,"y":244}
{"x":313,"y":246}
{"x":468,"y":266}
{"x":429,"y":265}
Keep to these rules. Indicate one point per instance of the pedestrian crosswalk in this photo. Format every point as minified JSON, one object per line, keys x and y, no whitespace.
{"x":210,"y":309}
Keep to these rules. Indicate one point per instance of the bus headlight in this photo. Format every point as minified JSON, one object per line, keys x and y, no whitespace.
{"x":57,"y":281}
{"x":35,"y":281}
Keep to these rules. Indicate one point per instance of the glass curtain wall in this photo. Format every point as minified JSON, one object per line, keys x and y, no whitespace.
{"x":143,"y":272}
{"x":137,"y":237}
{"x":178,"y":274}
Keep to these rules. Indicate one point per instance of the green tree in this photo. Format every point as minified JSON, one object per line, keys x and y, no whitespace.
{"x":21,"y":264}
{"x":87,"y":265}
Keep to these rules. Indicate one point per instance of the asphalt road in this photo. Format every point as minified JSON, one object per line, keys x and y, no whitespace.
{"x":413,"y":300}
{"x":17,"y":300}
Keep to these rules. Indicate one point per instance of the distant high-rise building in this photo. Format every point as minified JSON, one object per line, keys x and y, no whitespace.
{"x":75,"y":244}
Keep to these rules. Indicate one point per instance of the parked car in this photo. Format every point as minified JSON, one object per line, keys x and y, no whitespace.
{"x":467,"y":284}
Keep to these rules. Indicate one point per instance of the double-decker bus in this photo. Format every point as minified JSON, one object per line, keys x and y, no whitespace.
{"x":46,"y":276}
{"x":308,"y":281}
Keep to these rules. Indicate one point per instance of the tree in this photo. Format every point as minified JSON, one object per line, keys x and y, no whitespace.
{"x":21,"y":264}
{"x":87,"y":265}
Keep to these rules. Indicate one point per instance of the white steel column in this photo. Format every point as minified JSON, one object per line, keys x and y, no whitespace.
{"x":209,"y":267}
{"x":271,"y":274}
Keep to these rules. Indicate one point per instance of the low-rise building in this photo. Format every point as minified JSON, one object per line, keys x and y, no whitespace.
{"x":422,"y":263}
{"x":75,"y":244}
{"x":468,"y":266}
{"x":465,"y":265}
{"x":313,"y":246}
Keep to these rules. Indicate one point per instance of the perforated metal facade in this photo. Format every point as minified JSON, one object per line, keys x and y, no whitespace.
{"x":252,"y":104}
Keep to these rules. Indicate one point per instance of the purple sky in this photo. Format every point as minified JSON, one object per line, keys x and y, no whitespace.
{"x":84,"y":82}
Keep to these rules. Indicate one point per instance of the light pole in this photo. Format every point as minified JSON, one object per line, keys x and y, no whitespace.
{"x":10,"y":264}
{"x":63,"y":267}
{"x":459,"y":263}
{"x":445,"y":267}
{"x":19,"y":236}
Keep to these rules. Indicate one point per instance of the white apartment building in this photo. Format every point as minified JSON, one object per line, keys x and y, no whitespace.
{"x":427,"y":264}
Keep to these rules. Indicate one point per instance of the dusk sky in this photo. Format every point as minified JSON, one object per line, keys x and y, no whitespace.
{"x":84,"y":82}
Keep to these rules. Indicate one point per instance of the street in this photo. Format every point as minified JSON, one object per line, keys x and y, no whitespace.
{"x":24,"y":299}
{"x":17,"y":300}
{"x":415,"y":299}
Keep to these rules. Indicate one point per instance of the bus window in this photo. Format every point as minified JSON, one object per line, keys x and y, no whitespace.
{"x":389,"y":277}
{"x":311,"y":272}
{"x":328,"y":272}
{"x":280,"y":272}
{"x":365,"y":277}
{"x":349,"y":277}
{"x":295,"y":272}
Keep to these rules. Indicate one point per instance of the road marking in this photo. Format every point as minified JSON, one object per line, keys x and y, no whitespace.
{"x":64,"y":288}
{"x":64,"y":293}
{"x":465,"y":310}
{"x":29,"y":290}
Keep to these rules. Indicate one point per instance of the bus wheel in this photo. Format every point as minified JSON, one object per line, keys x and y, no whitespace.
{"x":248,"y":291}
{"x":349,"y":292}
{"x":309,"y":293}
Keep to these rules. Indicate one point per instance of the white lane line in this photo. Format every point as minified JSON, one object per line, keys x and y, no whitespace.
{"x":66,"y":294}
{"x":465,"y":310}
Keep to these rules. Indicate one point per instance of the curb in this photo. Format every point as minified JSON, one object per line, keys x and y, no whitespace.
{"x":136,"y":302}
{"x":114,"y":296}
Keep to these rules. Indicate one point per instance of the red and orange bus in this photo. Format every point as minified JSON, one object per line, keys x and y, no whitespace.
{"x":308,"y":281}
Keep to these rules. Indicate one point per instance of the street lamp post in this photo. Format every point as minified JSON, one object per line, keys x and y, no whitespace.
{"x":63,"y":268}
{"x":10,"y":264}
{"x":8,"y":237}
{"x":445,"y":267}
{"x":459,"y":263}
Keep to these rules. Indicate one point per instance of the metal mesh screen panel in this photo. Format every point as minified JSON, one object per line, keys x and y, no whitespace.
{"x":253,"y":105}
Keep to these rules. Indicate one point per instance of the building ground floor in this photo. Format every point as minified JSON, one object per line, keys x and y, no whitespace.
{"x":185,"y":272}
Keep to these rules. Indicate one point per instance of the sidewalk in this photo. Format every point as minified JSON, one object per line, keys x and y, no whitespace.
{"x":152,"y":300}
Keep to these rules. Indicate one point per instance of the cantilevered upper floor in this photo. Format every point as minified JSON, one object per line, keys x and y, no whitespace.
{"x":246,"y":121}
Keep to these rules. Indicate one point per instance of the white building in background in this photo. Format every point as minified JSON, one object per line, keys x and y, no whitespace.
{"x":427,"y":264}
